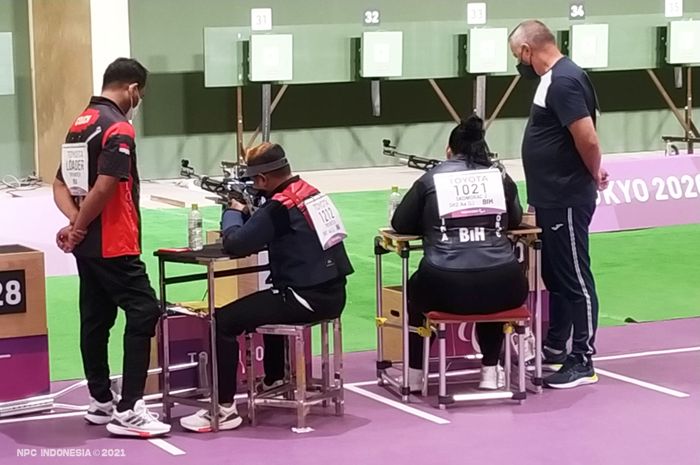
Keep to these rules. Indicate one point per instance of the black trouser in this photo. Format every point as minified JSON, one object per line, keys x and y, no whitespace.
{"x":105,"y":284}
{"x":566,"y":271}
{"x":268,"y":307}
{"x":465,"y":293}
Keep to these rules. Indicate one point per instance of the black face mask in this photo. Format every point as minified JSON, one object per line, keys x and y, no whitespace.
{"x":527,"y":71}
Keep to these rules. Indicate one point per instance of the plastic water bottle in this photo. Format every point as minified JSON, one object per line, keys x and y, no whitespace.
{"x":194,"y":228}
{"x":394,"y":201}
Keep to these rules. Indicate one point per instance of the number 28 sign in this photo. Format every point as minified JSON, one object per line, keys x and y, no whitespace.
{"x":12,"y":292}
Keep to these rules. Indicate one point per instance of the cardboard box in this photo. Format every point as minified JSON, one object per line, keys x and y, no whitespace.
{"x":23,"y":293}
{"x":231,"y":288}
{"x":391,"y":310}
{"x":461,"y":339}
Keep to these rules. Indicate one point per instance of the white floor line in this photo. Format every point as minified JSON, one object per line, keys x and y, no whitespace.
{"x":430,"y":376}
{"x":69,"y":388}
{"x":51,"y":416}
{"x":78,"y":408}
{"x":159,"y":395}
{"x":361,"y":383}
{"x":647,"y":354}
{"x":640,"y":383}
{"x":41,"y":417}
{"x":166,"y":446}
{"x":398,"y":405}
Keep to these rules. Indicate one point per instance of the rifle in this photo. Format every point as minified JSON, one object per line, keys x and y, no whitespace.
{"x":412,"y":161}
{"x":233,"y":185}
{"x":423,"y":163}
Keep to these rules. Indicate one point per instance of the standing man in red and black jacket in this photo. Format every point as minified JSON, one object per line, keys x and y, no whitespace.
{"x":308,"y":267}
{"x":97,"y":189}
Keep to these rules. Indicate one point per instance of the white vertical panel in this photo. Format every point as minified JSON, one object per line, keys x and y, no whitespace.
{"x":109,"y":20}
{"x":7,"y":69}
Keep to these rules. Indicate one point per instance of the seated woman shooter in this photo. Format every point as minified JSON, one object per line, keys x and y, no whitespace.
{"x":462,"y":209}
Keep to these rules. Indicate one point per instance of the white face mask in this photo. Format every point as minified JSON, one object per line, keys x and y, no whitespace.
{"x":133,"y":110}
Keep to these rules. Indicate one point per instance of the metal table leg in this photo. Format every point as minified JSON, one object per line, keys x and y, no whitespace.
{"x":250,"y":370}
{"x":508,"y":332}
{"x":379,"y":284}
{"x":300,"y":392}
{"x":214,"y":405}
{"x":164,"y":344}
{"x":442,"y":346}
{"x":325,"y":361}
{"x":520,"y":329}
{"x":538,"y":316}
{"x":405,"y":389}
{"x":338,"y":365}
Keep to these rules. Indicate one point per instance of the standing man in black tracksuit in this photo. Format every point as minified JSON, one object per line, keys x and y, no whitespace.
{"x":562,"y":160}
{"x":303,"y":234}
{"x":97,"y":189}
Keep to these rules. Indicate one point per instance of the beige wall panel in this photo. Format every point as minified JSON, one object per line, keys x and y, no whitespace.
{"x":62,"y":73}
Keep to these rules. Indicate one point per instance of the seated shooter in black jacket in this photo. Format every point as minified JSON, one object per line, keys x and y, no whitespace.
{"x":469,"y":266}
{"x":308,"y":271}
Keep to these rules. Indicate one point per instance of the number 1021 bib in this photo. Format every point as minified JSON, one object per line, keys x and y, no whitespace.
{"x":470,"y":193}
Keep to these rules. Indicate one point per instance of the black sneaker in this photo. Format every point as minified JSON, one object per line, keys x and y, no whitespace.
{"x":573,"y":373}
{"x":552,"y":359}
{"x":262,"y":387}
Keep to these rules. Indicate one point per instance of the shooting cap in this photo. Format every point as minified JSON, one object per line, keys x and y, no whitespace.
{"x":265,"y":158}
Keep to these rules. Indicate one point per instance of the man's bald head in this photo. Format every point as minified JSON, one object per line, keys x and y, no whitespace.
{"x":534,"y":33}
{"x":534,"y":46}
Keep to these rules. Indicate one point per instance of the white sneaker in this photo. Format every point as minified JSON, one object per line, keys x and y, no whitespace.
{"x":100,"y":413}
{"x":200,"y":422}
{"x":492,"y":378}
{"x":138,"y":422}
{"x":529,"y":344}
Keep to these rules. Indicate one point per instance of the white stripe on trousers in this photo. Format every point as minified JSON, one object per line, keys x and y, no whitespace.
{"x":577,"y":267}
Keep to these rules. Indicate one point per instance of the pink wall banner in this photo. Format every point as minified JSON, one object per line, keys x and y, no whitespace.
{"x":649,"y":192}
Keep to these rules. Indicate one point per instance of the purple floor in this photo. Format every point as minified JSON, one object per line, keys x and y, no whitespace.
{"x":612,"y":422}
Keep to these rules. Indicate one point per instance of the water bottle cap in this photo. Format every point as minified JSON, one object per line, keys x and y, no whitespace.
{"x":195,"y":206}
{"x":394,"y":188}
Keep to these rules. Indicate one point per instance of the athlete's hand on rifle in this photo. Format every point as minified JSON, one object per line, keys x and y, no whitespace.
{"x":238,"y":206}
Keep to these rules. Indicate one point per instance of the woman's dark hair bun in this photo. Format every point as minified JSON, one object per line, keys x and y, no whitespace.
{"x":467,"y":139}
{"x":473,"y":128}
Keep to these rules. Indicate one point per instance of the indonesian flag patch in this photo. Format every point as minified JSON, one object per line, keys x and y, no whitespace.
{"x":124,"y":148}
